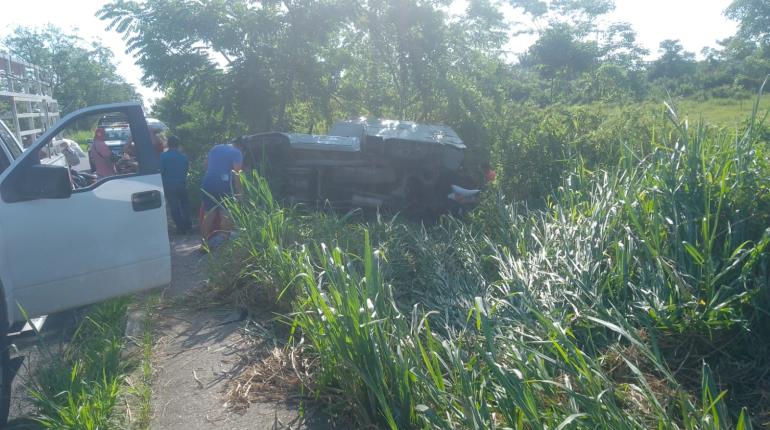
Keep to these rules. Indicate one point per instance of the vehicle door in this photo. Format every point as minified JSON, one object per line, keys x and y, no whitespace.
{"x":61,"y":247}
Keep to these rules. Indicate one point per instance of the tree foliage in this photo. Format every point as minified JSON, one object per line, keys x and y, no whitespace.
{"x":301,"y":64}
{"x":753,"y":17}
{"x":244,"y":66}
{"x":82,"y":73}
{"x":674,"y":61}
{"x":560,"y":53}
{"x":574,"y":10}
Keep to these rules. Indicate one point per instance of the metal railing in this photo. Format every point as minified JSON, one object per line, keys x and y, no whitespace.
{"x":18,"y":76}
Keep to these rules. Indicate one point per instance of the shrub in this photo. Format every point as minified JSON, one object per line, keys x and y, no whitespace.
{"x":634,"y":298}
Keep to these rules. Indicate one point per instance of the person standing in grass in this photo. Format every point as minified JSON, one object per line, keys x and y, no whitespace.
{"x":221,"y":181}
{"x":173,"y":169}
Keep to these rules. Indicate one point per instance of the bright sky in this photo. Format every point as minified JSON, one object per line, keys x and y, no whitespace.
{"x":697,"y":23}
{"x":79,"y":15}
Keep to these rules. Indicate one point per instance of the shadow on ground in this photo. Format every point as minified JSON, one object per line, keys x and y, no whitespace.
{"x":23,"y":424}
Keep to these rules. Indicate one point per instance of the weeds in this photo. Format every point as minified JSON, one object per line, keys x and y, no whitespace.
{"x":138,"y":391}
{"x":79,"y":390}
{"x":636,"y":298}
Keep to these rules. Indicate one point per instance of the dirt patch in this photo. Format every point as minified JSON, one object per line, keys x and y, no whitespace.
{"x":198,"y":353}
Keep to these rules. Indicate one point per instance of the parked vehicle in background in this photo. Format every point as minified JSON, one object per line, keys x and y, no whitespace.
{"x":120,"y":222}
{"x":116,"y":132}
{"x":366,"y":163}
{"x":116,"y":138}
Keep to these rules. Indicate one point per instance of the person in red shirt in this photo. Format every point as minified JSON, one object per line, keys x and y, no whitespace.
{"x":104,"y":164}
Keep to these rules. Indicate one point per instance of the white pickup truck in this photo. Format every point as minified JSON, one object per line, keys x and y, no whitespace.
{"x":60,"y":247}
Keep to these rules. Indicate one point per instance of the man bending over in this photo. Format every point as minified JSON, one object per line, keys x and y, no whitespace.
{"x":221,"y":181}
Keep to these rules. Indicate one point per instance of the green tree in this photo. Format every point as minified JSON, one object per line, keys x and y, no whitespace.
{"x":560,"y":52}
{"x":674,"y":61}
{"x":580,"y":59}
{"x":748,"y":51}
{"x":294,"y":64}
{"x":258,"y":59}
{"x":81,"y":73}
{"x":572,"y":11}
{"x":619,"y":46}
{"x":753,"y":17}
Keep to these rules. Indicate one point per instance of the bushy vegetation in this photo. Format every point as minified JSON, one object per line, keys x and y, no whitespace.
{"x":615,"y":275}
{"x":635,"y":297}
{"x":79,"y":386}
{"x":242,"y":67}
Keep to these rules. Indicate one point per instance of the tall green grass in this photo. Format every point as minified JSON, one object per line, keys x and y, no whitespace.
{"x":637,"y":298}
{"x":82,"y":137}
{"x":79,"y":389}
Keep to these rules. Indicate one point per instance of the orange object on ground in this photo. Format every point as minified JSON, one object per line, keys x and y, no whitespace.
{"x":217,"y":219}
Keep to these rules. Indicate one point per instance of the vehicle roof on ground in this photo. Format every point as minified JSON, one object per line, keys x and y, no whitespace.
{"x":156,"y":125}
{"x":324,"y":143}
{"x":312,"y":141}
{"x":401,"y":130}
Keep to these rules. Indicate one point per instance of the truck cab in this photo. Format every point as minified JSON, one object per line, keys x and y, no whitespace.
{"x":62,"y":246}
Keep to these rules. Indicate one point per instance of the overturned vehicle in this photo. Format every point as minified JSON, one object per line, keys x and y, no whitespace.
{"x":381,"y":164}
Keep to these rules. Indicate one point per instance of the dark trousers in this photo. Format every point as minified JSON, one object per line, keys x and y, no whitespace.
{"x":179,"y":205}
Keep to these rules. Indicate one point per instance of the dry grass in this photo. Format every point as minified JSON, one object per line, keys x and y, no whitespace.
{"x":269,"y":379}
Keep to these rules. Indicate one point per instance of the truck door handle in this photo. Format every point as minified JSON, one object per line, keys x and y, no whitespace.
{"x":146,"y":200}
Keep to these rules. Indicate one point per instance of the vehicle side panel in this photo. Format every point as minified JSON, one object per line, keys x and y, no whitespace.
{"x":90,"y":249}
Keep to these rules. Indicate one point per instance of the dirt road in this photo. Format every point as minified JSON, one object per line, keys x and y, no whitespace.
{"x":198,"y":352}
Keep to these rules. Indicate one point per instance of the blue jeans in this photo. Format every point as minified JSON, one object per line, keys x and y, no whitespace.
{"x":179,"y":204}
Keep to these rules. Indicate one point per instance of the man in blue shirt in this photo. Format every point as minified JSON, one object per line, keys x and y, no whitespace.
{"x":219,"y":183}
{"x":173,"y":169}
